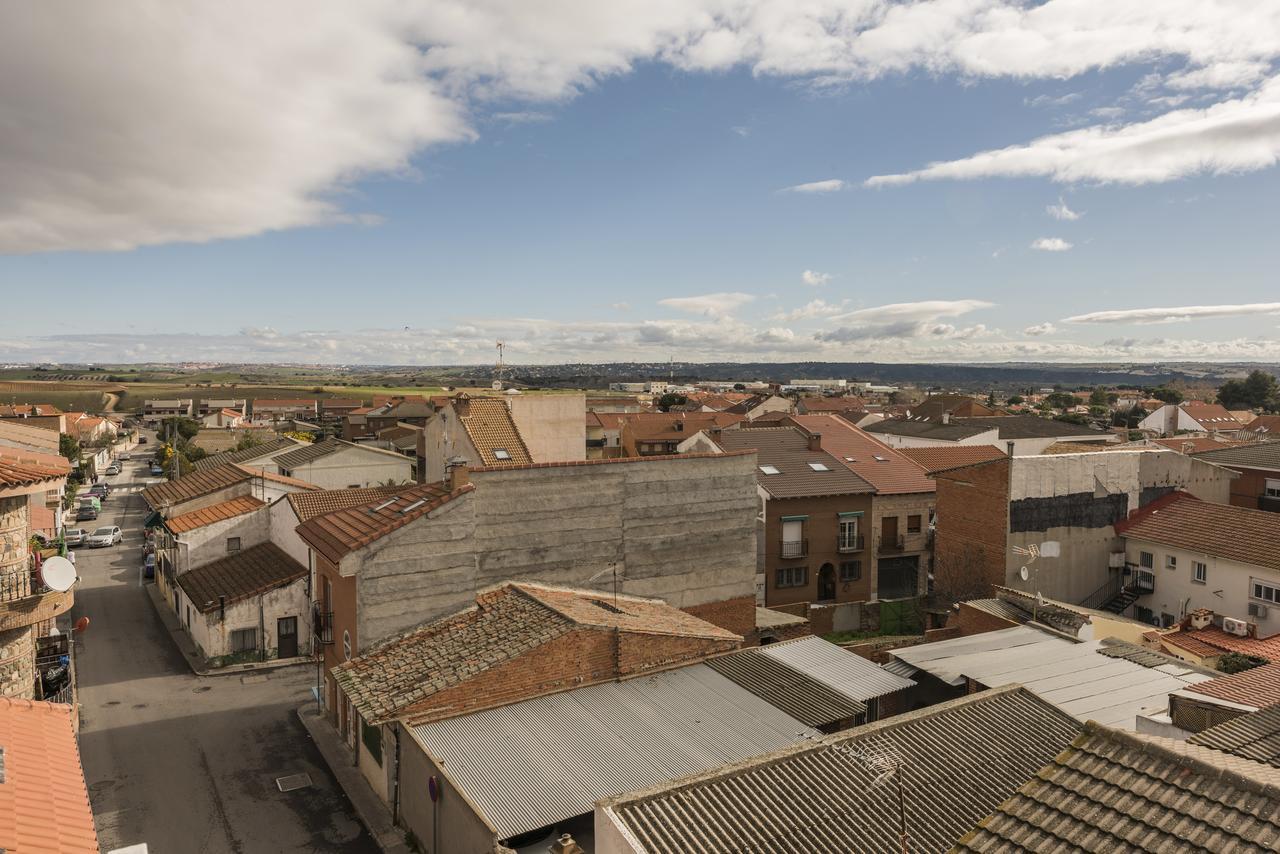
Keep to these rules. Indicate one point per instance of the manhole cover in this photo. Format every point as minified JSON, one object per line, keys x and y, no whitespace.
{"x":293,"y":781}
{"x":253,"y":680}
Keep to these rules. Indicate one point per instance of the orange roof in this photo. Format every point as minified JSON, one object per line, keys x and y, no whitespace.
{"x":234,"y":413}
{"x":661,"y":426}
{"x":1210,"y":414}
{"x":1265,"y":424}
{"x":941,"y":458}
{"x":1212,"y":640}
{"x":488,"y":423}
{"x":28,"y":409}
{"x":36,"y":458}
{"x":44,"y":803}
{"x":1258,"y":687}
{"x":875,"y":462}
{"x":1183,"y":521}
{"x":213,"y":513}
{"x":15,"y":474}
{"x":341,"y":532}
{"x":308,"y":505}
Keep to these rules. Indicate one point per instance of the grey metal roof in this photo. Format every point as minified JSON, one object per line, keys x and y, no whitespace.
{"x":999,"y":608}
{"x":958,"y":760}
{"x":245,"y":455}
{"x":308,"y":453}
{"x":846,"y":672}
{"x":1073,"y":676}
{"x":786,"y":688}
{"x":1254,"y":736}
{"x":534,"y":763}
{"x":1115,"y":791}
{"x":1264,"y":455}
{"x":1032,"y":427}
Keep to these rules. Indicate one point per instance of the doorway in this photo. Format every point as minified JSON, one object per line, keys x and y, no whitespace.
{"x":287,"y":637}
{"x":826,"y":583}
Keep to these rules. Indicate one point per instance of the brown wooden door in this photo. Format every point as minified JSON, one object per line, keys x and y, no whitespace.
{"x":889,"y":532}
{"x":287,"y":637}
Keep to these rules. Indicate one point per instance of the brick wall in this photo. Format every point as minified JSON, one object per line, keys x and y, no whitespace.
{"x":737,"y":615}
{"x":972,"y":524}
{"x":969,"y":620}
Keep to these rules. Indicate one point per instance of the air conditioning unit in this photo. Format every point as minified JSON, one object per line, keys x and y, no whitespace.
{"x":1232,"y":626}
{"x":1256,"y":610}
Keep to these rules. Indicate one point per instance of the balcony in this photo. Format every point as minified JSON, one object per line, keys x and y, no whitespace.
{"x":322,"y":625}
{"x":1144,"y":581}
{"x":794,"y":548}
{"x":893,"y":544}
{"x":25,"y":600}
{"x":850,"y":543}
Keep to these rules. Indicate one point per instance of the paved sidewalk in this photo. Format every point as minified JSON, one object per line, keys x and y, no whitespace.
{"x":373,"y":813}
{"x":188,"y":649}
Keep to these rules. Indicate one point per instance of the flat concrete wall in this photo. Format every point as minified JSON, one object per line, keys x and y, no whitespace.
{"x":1227,"y":588}
{"x":354,"y":466}
{"x":679,"y":529}
{"x":283,"y":523}
{"x":212,"y":635}
{"x":209,"y":543}
{"x":553,"y":426}
{"x":448,"y":826}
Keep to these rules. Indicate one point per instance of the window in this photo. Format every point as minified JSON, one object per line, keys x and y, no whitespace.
{"x":769,"y":470}
{"x":1266,"y":592}
{"x":244,"y":640}
{"x":1146,"y":560}
{"x":233,"y":544}
{"x":1199,"y":572}
{"x":792,"y":544}
{"x":792,"y":576}
{"x":501,"y":454}
{"x":1170,"y":561}
{"x":913,"y":524}
{"x":819,"y":466}
{"x":1273,"y":489}
{"x":851,"y":570}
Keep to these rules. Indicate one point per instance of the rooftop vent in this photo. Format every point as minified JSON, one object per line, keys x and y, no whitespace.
{"x":384,"y":505}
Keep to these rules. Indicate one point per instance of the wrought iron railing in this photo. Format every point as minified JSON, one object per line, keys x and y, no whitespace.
{"x":20,"y":584}
{"x":850,"y":542}
{"x":322,"y":625}
{"x":794,"y":548}
{"x":893,"y":544}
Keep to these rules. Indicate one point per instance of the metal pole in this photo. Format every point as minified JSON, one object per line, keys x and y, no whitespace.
{"x":902,"y":812}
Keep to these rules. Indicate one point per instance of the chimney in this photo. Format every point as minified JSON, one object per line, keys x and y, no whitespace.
{"x":815,"y":441}
{"x":946,"y":418}
{"x":565,"y":845}
{"x":459,"y":476}
{"x":1201,"y":617}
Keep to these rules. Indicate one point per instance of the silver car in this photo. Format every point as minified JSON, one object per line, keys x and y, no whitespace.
{"x":107,"y":535}
{"x":75,"y":536}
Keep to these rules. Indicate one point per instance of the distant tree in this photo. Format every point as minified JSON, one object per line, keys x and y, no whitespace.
{"x":68,"y":447}
{"x":184,"y":428}
{"x":1099,"y":397}
{"x":1061,"y":400}
{"x":1259,"y":390}
{"x":739,"y":387}
{"x":1099,"y":411}
{"x":991,"y":398}
{"x":1164,"y":394}
{"x":247,"y":440}
{"x":1071,"y":418}
{"x":1016,"y":400}
{"x":959,"y":575}
{"x":671,"y":399}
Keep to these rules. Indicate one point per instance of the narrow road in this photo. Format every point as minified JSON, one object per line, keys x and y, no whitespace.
{"x":183,"y":763}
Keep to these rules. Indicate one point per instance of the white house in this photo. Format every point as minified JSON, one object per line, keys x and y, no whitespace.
{"x":337,"y":464}
{"x":248,"y":606}
{"x":1185,"y":554}
{"x":1190,"y":416}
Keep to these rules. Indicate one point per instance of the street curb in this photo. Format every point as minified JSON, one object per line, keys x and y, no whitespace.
{"x":373,"y":814}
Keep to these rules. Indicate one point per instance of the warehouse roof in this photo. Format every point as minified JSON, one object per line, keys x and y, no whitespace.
{"x":1181,"y":520}
{"x":239,"y":576}
{"x":788,"y":468}
{"x":1114,"y":791}
{"x":1087,"y":680}
{"x":571,"y":749}
{"x":1254,"y":736}
{"x":958,"y":761}
{"x":888,"y":470}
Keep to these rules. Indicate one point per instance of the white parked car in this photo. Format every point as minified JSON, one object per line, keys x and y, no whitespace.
{"x":105,"y":536}
{"x":75,"y":536}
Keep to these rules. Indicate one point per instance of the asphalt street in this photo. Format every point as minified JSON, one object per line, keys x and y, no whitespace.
{"x":180,"y":762}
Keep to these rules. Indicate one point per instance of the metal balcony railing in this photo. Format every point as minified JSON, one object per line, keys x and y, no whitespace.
{"x":794,"y":548}
{"x":322,"y":625}
{"x":20,"y":584}
{"x":893,"y":544}
{"x":850,"y":542}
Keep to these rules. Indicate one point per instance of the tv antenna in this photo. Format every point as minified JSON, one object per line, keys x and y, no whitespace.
{"x":881,"y":757}
{"x":611,"y":568}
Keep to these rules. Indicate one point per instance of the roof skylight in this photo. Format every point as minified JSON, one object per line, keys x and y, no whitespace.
{"x":769,"y":470}
{"x":819,"y":466}
{"x":501,"y":454}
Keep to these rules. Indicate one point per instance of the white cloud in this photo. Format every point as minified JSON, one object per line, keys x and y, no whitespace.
{"x":1238,"y":135}
{"x":905,"y":320}
{"x":620,"y":306}
{"x":812,"y":309}
{"x":1062,"y":212}
{"x":814,"y":278}
{"x":236,"y":118}
{"x":831,"y":185}
{"x":923,"y":310}
{"x":522,"y":117}
{"x":1040,"y":329}
{"x":741,"y":130}
{"x":1173,"y":315}
{"x":1051,"y":244}
{"x":711,"y":305}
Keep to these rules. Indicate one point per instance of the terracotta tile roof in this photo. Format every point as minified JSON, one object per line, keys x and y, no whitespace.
{"x":818,"y":405}
{"x":786,"y":449}
{"x":40,"y":459}
{"x":661,"y":426}
{"x":44,"y":803}
{"x":340,"y":532}
{"x":214,"y":513}
{"x":239,"y":576}
{"x":247,"y":454}
{"x":1211,"y":641}
{"x":28,"y":409}
{"x":194,"y":485}
{"x":622,"y":461}
{"x":340,"y":403}
{"x":507,"y":622}
{"x":1211,"y":415}
{"x":1254,"y":736}
{"x":1257,"y":687}
{"x":308,"y":505}
{"x":1117,"y":791}
{"x":886,"y":469}
{"x":945,"y":457}
{"x":1181,"y":520}
{"x":488,"y":423}
{"x":1266,"y":424}
{"x":362,"y":410}
{"x":15,"y":474}
{"x":284,"y":480}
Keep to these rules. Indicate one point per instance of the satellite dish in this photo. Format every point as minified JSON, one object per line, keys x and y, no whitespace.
{"x":58,"y":574}
{"x":1024,"y":574}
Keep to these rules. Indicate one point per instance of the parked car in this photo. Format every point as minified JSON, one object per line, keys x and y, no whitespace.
{"x":98,"y":491}
{"x":74,"y":536}
{"x":125,"y":455}
{"x":142,"y":440}
{"x":107,"y":535}
{"x":113,"y":469}
{"x":86,"y":512}
{"x":92,"y":501}
{"x":156,"y":471}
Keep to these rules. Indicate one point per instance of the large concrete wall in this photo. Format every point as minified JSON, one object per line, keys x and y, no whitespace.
{"x":209,"y":543}
{"x":354,"y":466}
{"x":681,"y":529}
{"x":1074,"y":499}
{"x":553,"y":426}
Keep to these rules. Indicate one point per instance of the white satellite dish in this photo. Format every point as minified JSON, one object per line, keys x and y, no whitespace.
{"x":58,"y":573}
{"x":1024,"y":573}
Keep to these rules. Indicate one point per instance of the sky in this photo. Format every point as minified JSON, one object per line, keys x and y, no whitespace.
{"x":394,"y":182}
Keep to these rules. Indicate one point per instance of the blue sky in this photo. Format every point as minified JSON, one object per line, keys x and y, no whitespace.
{"x":633,"y":202}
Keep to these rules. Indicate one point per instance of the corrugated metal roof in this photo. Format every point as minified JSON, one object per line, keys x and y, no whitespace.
{"x":1114,"y":791}
{"x":786,"y":688}
{"x":534,"y":763}
{"x":1255,"y":736}
{"x":959,"y":760}
{"x":1072,"y":676}
{"x":844,"y":671}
